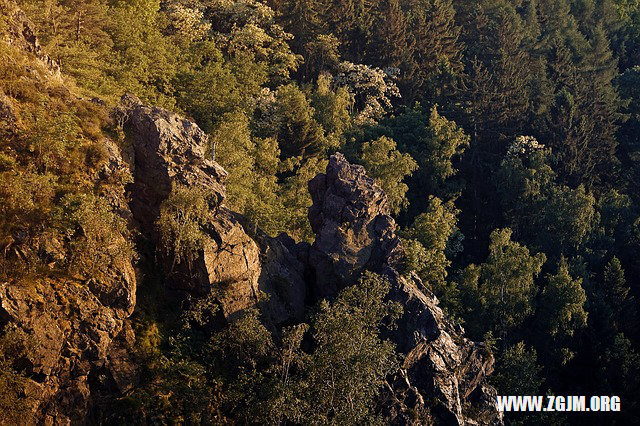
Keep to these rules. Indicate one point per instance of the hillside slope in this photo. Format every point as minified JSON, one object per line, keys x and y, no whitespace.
{"x":79,"y":182}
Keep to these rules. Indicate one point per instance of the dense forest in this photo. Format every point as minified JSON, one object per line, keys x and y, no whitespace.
{"x":505,"y":134}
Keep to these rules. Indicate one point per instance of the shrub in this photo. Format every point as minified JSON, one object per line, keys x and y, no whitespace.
{"x":182,"y":215}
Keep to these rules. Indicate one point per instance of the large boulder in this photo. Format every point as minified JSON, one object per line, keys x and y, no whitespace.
{"x":355,"y":232}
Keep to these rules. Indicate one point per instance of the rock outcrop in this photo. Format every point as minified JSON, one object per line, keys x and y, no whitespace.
{"x":82,"y":337}
{"x":71,"y":323}
{"x":169,"y":151}
{"x":354,"y":232}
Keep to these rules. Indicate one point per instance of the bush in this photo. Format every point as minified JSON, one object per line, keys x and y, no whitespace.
{"x":182,"y":215}
{"x":96,"y":237}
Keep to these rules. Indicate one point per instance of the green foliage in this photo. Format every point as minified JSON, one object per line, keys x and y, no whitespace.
{"x":180,"y":222}
{"x":96,"y":236}
{"x":436,"y":144}
{"x":564,"y":299}
{"x":389,"y":168}
{"x":552,"y":218}
{"x":255,"y":188}
{"x":350,"y":362}
{"x":246,"y":372}
{"x":562,"y":312}
{"x":615,"y":283}
{"x":629,"y":149}
{"x":426,"y":243}
{"x":209,"y":87}
{"x":437,"y":49}
{"x":332,"y":110}
{"x":108,"y":47}
{"x":246,"y":30}
{"x":372,"y":89}
{"x":52,"y":139}
{"x":252,"y":165}
{"x":321,"y":54}
{"x":295,"y":196}
{"x":503,"y":286}
{"x":390,"y":44}
{"x":519,"y":372}
{"x":280,"y":85}
{"x":499,"y":72}
{"x":620,"y":368}
{"x":618,"y":302}
{"x":14,"y":347}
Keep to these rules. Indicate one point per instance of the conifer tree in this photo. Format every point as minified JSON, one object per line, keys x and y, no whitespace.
{"x":302,"y":18}
{"x":389,"y":45}
{"x":437,"y":48}
{"x":585,"y":114}
{"x":351,"y":21}
{"x":392,"y":46}
{"x":619,"y":298}
{"x":498,"y":85}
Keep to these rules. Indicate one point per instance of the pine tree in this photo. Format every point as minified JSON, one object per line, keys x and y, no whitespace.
{"x":389,"y":45}
{"x":351,"y":21}
{"x":437,"y":49}
{"x":499,"y":75}
{"x":299,"y":134}
{"x":302,"y":19}
{"x":585,"y":114}
{"x":619,"y":298}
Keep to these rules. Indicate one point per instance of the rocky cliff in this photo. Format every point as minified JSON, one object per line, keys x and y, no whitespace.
{"x":83,"y":340}
{"x":443,"y":374}
{"x":70,"y":321}
{"x":20,"y":33}
{"x":354,"y":232}
{"x":169,"y":150}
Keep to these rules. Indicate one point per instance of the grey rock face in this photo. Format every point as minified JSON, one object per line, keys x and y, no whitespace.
{"x":354,"y":232}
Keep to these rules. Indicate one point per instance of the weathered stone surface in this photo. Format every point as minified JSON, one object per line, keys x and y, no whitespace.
{"x":120,"y":362}
{"x":167,"y":150}
{"x":282,"y":278}
{"x":72,"y":328}
{"x":70,"y":322}
{"x":354,"y":232}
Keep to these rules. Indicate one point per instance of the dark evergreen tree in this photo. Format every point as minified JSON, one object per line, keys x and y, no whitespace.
{"x":389,"y":45}
{"x":302,"y":18}
{"x":437,"y":49}
{"x":351,"y":22}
